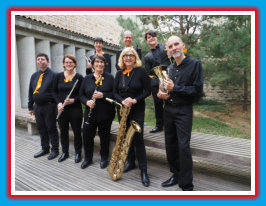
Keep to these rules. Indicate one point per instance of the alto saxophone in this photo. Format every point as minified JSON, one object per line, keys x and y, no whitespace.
{"x":123,"y":142}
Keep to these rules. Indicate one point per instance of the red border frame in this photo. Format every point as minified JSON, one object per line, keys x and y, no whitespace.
{"x":135,"y":196}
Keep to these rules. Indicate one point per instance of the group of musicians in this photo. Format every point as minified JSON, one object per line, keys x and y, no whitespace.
{"x":60,"y":95}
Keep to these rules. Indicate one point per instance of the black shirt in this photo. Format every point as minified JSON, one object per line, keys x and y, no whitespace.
{"x":61,"y":89}
{"x":107,"y":67}
{"x":137,"y":85}
{"x":156,"y":57}
{"x":188,"y":81}
{"x":45,"y":93}
{"x":103,"y":109}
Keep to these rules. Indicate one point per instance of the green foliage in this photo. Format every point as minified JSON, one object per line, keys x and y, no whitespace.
{"x":138,"y":32}
{"x":211,"y":126}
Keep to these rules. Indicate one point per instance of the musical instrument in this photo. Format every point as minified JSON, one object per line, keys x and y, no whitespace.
{"x":89,"y":62}
{"x":123,"y":142}
{"x":59,"y":113}
{"x":96,"y":89}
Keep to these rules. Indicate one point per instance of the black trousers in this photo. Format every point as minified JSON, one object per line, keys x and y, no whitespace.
{"x":158,"y":106}
{"x":89,"y":132}
{"x":137,"y":147}
{"x":178,"y":127}
{"x":46,"y":124}
{"x":72,"y":114}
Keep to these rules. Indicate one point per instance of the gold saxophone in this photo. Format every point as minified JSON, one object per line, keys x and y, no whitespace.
{"x":123,"y":141}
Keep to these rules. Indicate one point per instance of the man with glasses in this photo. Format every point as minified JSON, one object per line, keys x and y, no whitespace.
{"x":127,"y":39}
{"x":156,"y":56}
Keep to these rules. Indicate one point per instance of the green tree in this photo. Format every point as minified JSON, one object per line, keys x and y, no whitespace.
{"x":138,"y":31}
{"x":226,"y":50}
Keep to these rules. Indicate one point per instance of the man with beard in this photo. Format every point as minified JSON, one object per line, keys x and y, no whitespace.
{"x":184,"y":87}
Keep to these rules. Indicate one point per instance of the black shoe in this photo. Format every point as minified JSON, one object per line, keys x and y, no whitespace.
{"x":129,"y":166}
{"x":145,"y":178}
{"x":52,"y":155}
{"x":41,"y":153}
{"x":103,"y":164}
{"x":188,"y":188}
{"x":85,"y":164}
{"x":170,"y":182}
{"x":156,"y":129}
{"x":63,"y":157}
{"x":77,"y":158}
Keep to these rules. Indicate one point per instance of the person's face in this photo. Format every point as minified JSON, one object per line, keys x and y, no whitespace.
{"x":98,"y":65}
{"x":151,"y":41}
{"x":69,"y":64}
{"x":98,"y":45}
{"x":128,"y":40}
{"x":175,"y":47}
{"x":42,"y":62}
{"x":129,"y":59}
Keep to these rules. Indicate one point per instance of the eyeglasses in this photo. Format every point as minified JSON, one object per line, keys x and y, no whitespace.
{"x":131,"y":56}
{"x":69,"y":62}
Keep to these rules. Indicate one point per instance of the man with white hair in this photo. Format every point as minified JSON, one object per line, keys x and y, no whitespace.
{"x":127,"y":39}
{"x":184,"y":87}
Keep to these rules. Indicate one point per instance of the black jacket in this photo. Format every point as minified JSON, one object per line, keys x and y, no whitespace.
{"x":151,"y":61}
{"x":118,"y":55}
{"x":188,"y":82}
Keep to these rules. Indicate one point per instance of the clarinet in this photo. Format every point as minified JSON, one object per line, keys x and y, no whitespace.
{"x":59,"y":113}
{"x":96,"y":89}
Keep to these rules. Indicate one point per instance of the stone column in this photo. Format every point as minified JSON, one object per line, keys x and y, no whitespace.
{"x":27,"y":65}
{"x":17,"y":82}
{"x":81,"y":61}
{"x":69,"y":50}
{"x":113,"y":68}
{"x":43,"y":46}
{"x":57,"y":54}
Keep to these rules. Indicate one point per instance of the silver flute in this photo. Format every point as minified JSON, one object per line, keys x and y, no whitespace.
{"x":89,"y":62}
{"x":59,"y":113}
{"x":96,"y":89}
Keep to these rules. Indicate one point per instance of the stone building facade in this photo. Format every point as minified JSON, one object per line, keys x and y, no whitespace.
{"x":56,"y":39}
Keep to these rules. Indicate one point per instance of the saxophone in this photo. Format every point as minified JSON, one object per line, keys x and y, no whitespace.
{"x":123,"y":141}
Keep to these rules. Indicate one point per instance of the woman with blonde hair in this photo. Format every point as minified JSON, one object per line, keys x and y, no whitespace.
{"x":131,"y":87}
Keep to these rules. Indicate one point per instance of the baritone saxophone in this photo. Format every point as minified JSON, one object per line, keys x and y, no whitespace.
{"x":123,"y":142}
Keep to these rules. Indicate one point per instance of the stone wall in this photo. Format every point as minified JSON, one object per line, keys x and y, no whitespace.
{"x":231,"y":94}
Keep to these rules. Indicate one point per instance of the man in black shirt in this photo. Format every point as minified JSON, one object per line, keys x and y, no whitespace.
{"x":42,"y":105}
{"x":156,"y":56}
{"x":127,"y":39}
{"x":185,"y":87}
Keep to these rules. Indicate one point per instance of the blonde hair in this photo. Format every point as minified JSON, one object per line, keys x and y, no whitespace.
{"x":126,"y":50}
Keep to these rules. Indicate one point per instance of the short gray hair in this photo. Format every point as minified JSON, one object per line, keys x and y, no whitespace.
{"x":128,"y":32}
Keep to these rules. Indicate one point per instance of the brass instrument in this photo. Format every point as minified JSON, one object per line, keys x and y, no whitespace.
{"x":123,"y":141}
{"x":159,"y":71}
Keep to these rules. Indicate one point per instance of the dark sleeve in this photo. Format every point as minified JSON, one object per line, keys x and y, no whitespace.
{"x":115,"y":88}
{"x":108,"y":68}
{"x":76,"y":97}
{"x":55,"y":89}
{"x":147,"y":85}
{"x":139,"y":53}
{"x":110,"y":84}
{"x":116,"y":60}
{"x":88,"y":71}
{"x":148,"y":64}
{"x":196,"y":89}
{"x":30,"y":95}
{"x":82,"y":94}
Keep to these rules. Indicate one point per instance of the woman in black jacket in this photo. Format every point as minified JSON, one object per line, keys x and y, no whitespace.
{"x":131,"y":87}
{"x":98,"y":113}
{"x":70,"y":109}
